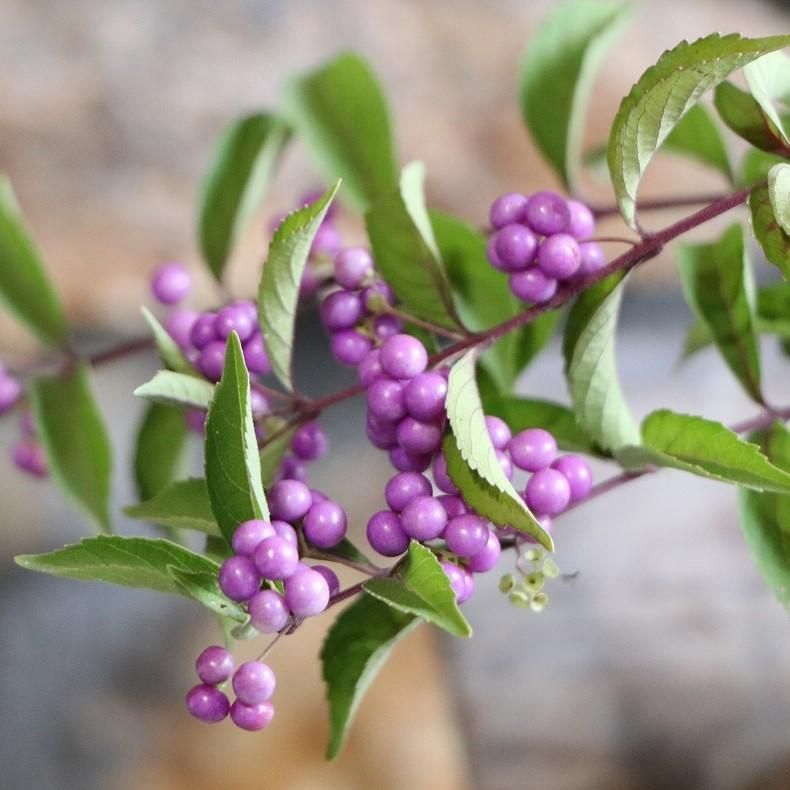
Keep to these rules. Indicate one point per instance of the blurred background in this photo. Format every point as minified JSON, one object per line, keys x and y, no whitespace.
{"x":664,"y":664}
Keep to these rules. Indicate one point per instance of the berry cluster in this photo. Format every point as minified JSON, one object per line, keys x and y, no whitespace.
{"x":541,"y":241}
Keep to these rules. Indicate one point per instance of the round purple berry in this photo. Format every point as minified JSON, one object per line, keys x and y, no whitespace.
{"x":203,"y":332}
{"x":255,"y":356}
{"x":419,"y":437}
{"x":310,"y":442}
{"x":239,"y":578}
{"x":259,"y":403}
{"x":469,"y":586}
{"x":341,"y":310}
{"x":254,"y":682}
{"x":491,"y":254}
{"x":10,"y":392}
{"x":386,"y":400}
{"x":252,"y":717}
{"x":547,"y":213}
{"x":403,"y":357}
{"x":533,"y":449}
{"x":498,"y":432}
{"x":353,"y":265}
{"x":325,"y":524}
{"x":456,"y":576}
{"x":268,"y":611}
{"x":505,"y":463}
{"x":453,"y":505}
{"x":403,"y":487}
{"x":485,"y":559}
{"x":593,"y":258}
{"x":178,"y":324}
{"x":381,"y":433}
{"x":548,"y":492}
{"x":424,"y":518}
{"x":214,"y":665}
{"x":405,"y":461}
{"x":370,"y":368}
{"x":577,"y":472}
{"x":306,"y":593}
{"x":466,"y":535}
{"x":212,"y":360}
{"x":425,"y":396}
{"x":385,"y":326}
{"x":292,"y":468}
{"x":532,"y":286}
{"x":350,"y":347}
{"x":171,"y":283}
{"x":207,"y":703}
{"x":249,"y":535}
{"x":441,"y":477}
{"x":507,"y":209}
{"x":385,"y":534}
{"x":331,"y":578}
{"x":559,"y":256}
{"x":582,"y":224}
{"x":289,"y":500}
{"x":276,"y":558}
{"x":235,"y":318}
{"x":285,"y":531}
{"x":28,"y":456}
{"x":515,"y":247}
{"x":326,"y":241}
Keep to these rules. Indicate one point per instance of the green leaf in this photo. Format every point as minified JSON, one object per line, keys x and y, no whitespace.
{"x":177,"y":389}
{"x":697,"y":137}
{"x":756,"y":165}
{"x":236,"y":182}
{"x":203,"y":586}
{"x":130,"y":562}
{"x":406,"y":252}
{"x":556,"y":76}
{"x":341,"y":114}
{"x":421,"y":588}
{"x":663,"y":95}
{"x":773,"y":301}
{"x":354,"y":651}
{"x":471,"y":458}
{"x":591,"y":366}
{"x":743,"y":115}
{"x":768,"y":79}
{"x":765,"y":520}
{"x":779,"y":194}
{"x":159,"y":449}
{"x":717,"y":282}
{"x":767,"y":230}
{"x":705,"y":448}
{"x":233,"y":468}
{"x":169,"y":352}
{"x":24,"y":286}
{"x":278,"y":294}
{"x":182,"y":505}
{"x":76,"y":441}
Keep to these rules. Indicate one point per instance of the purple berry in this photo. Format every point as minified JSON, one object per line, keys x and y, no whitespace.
{"x":214,"y":665}
{"x":259,"y":403}
{"x":378,"y":296}
{"x":289,"y":500}
{"x":532,"y":286}
{"x":350,"y":347}
{"x":255,"y":356}
{"x":370,"y":368}
{"x":547,"y":213}
{"x":533,"y":449}
{"x":306,"y":593}
{"x":381,"y":433}
{"x":385,"y":534}
{"x":593,"y":258}
{"x":285,"y":531}
{"x":424,"y":518}
{"x":559,"y":256}
{"x":203,"y":331}
{"x":498,"y":432}
{"x":515,"y":247}
{"x":325,"y":524}
{"x":10,"y":392}
{"x":326,"y":241}
{"x":212,"y":360}
{"x":456,"y":576}
{"x":252,"y":717}
{"x":171,"y":283}
{"x":341,"y":310}
{"x":403,"y":487}
{"x":505,"y":463}
{"x":405,"y":461}
{"x":385,"y":326}
{"x":249,"y":534}
{"x":276,"y":558}
{"x":491,"y":254}
{"x":386,"y":400}
{"x":268,"y":611}
{"x":207,"y":703}
{"x":577,"y":472}
{"x":453,"y":505}
{"x":485,"y":559}
{"x":254,"y":682}
{"x":331,"y":578}
{"x":425,"y":395}
{"x":239,"y":578}
{"x":507,"y":209}
{"x":469,"y":586}
{"x":235,"y":318}
{"x":403,"y":357}
{"x":419,"y":437}
{"x":353,"y":265}
{"x":466,"y":535}
{"x":440,"y":476}
{"x":178,"y":324}
{"x":548,"y":492}
{"x":582,"y":224}
{"x":292,"y":468}
{"x":310,"y":442}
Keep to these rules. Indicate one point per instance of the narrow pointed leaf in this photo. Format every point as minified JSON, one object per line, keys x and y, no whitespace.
{"x":744,"y":116}
{"x":181,"y":505}
{"x":170,"y":354}
{"x":697,"y":137}
{"x":203,"y":587}
{"x":159,"y":448}
{"x":767,"y":230}
{"x":768,"y":79}
{"x":177,"y":389}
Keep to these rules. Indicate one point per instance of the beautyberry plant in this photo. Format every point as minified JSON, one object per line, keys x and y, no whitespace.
{"x":438,"y":320}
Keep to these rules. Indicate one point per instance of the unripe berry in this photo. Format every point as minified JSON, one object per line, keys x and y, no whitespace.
{"x":424,"y":518}
{"x":171,"y":283}
{"x":425,"y":396}
{"x":403,"y":487}
{"x":289,"y":500}
{"x":578,"y":474}
{"x":403,"y":357}
{"x":559,"y":256}
{"x":252,"y":717}
{"x":214,"y":665}
{"x":385,"y":534}
{"x":533,"y":449}
{"x":325,"y":524}
{"x":548,"y":492}
{"x":508,"y":208}
{"x":207,"y":703}
{"x":352,"y":267}
{"x":350,"y":347}
{"x":254,"y":682}
{"x":239,"y":578}
{"x":276,"y":558}
{"x":249,"y":535}
{"x":547,"y":213}
{"x":306,"y":593}
{"x":268,"y":611}
{"x":466,"y":535}
{"x":532,"y":286}
{"x":309,"y":442}
{"x":515,"y":246}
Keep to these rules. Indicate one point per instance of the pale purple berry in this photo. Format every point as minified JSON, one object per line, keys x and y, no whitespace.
{"x":505,"y":463}
{"x":547,"y":213}
{"x":559,"y":256}
{"x":533,"y":449}
{"x":276,"y":558}
{"x":485,"y":559}
{"x":292,"y":468}
{"x":178,"y":324}
{"x":325,"y":524}
{"x":403,"y":357}
{"x":466,"y":535}
{"x":235,"y":318}
{"x":255,"y":356}
{"x":28,"y":456}
{"x":441,"y":477}
{"x":417,"y":437}
{"x":403,"y":487}
{"x":341,"y":310}
{"x":239,"y":578}
{"x":252,"y":717}
{"x":353,"y":265}
{"x":458,"y":583}
{"x":424,"y":518}
{"x":468,"y":586}
{"x":214,"y":665}
{"x":285,"y":531}
{"x":386,"y":400}
{"x":10,"y":392}
{"x":350,"y":347}
{"x":385,"y":534}
{"x":491,"y":254}
{"x":405,"y":461}
{"x":577,"y":472}
{"x":249,"y":535}
{"x":515,"y":246}
{"x":582,"y":224}
{"x":306,"y":593}
{"x":212,"y":360}
{"x":381,"y":433}
{"x":453,"y":505}
{"x":508,"y":208}
{"x":203,"y":332}
{"x":259,"y":403}
{"x":593,"y":258}
{"x":331,"y":578}
{"x":326,"y":241}
{"x":170,"y":283}
{"x":370,"y":368}
{"x":548,"y":492}
{"x":268,"y":611}
{"x":498,"y":432}
{"x":207,"y":703}
{"x":532,"y":286}
{"x":310,"y":442}
{"x":289,"y":500}
{"x":385,"y":326}
{"x":425,"y":396}
{"x":254,"y":682}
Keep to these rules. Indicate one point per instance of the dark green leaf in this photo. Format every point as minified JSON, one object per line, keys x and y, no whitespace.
{"x":697,"y":137}
{"x":24,"y":286}
{"x":203,"y":586}
{"x":421,"y":588}
{"x":355,"y":649}
{"x":768,"y":79}
{"x":182,"y":505}
{"x":663,"y":95}
{"x":706,"y":448}
{"x":767,"y":230}
{"x":177,"y":389}
{"x":341,"y":114}
{"x":76,"y":441}
{"x":779,"y":194}
{"x":169,"y":352}
{"x":743,"y":115}
{"x":278,"y":294}
{"x":233,"y":468}
{"x":756,"y":165}
{"x":159,"y":449}
{"x":556,"y":75}
{"x":717,"y":281}
{"x":243,"y":165}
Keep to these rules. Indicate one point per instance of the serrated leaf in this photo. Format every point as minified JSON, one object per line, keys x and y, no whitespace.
{"x":744,"y":116}
{"x":354,"y":651}
{"x":159,"y":448}
{"x":556,"y":75}
{"x":177,"y":389}
{"x":696,"y":136}
{"x":717,"y":282}
{"x":779,"y":194}
{"x":421,"y":588}
{"x":233,"y":468}
{"x":663,"y":95}
{"x":705,"y":448}
{"x":342,"y":116}
{"x":768,"y":79}
{"x":591,"y":366}
{"x":169,"y":352}
{"x":24,"y":286}
{"x":203,"y":587}
{"x":774,"y":241}
{"x":181,"y":505}
{"x":236,"y":182}
{"x":472,"y":462}
{"x":75,"y":438}
{"x":130,"y":562}
{"x":278,"y":294}
{"x":406,"y":252}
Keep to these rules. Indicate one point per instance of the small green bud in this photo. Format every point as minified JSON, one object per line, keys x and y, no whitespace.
{"x":507,"y":583}
{"x":519,"y":598}
{"x":534,"y":581}
{"x":550,"y":568}
{"x":538,"y":602}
